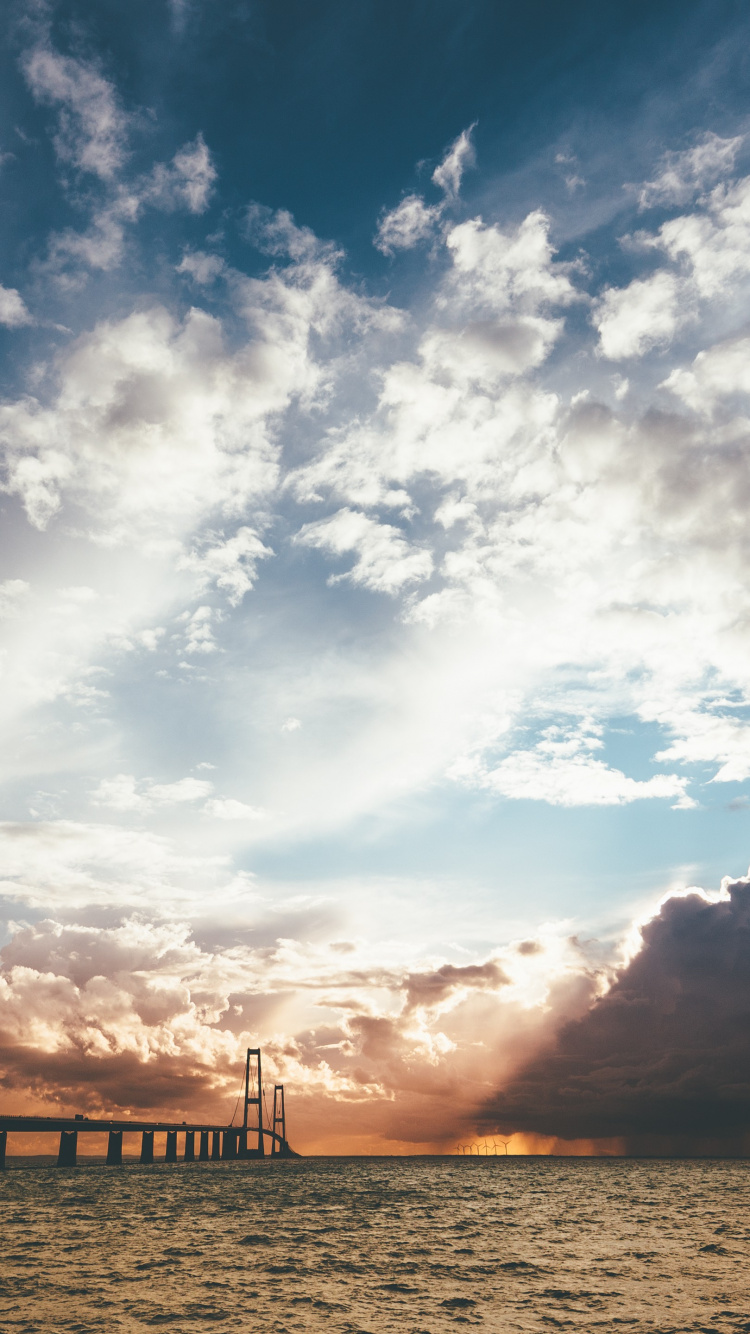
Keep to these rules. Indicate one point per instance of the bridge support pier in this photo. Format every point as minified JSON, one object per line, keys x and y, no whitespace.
{"x":171,"y":1154}
{"x":242,"y":1144}
{"x":215,"y":1145}
{"x":147,"y":1146}
{"x":68,"y":1146}
{"x":114,"y":1148}
{"x":3,"y":1142}
{"x":189,"y":1146}
{"x":229,"y":1145}
{"x":203,"y":1150}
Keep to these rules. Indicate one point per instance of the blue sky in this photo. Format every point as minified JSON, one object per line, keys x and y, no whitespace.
{"x":373,"y":541}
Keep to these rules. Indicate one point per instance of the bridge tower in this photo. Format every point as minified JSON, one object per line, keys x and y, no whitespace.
{"x":279,"y":1120}
{"x":253,"y":1098}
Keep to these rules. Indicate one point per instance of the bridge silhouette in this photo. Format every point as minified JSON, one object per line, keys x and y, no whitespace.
{"x":217,"y":1142}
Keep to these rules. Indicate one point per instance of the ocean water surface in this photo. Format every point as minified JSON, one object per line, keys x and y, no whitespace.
{"x":414,"y":1245}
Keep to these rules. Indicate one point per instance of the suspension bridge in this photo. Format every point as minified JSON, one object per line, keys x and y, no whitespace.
{"x":251,"y":1139}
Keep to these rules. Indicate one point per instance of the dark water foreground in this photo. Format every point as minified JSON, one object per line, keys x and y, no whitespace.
{"x":409,"y":1245}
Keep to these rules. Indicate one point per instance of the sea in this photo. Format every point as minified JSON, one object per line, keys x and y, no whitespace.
{"x":415,"y":1245}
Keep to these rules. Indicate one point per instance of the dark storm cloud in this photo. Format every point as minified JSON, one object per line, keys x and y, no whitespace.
{"x":666,"y":1053}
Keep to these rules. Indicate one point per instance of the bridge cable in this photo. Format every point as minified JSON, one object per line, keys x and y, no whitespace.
{"x":239,"y":1095}
{"x":268,"y":1119}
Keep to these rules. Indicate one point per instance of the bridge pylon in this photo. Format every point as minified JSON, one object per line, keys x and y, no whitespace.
{"x":278,"y":1124}
{"x":253,"y":1098}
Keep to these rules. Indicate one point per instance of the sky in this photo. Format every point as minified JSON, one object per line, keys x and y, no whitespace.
{"x":375,"y":620}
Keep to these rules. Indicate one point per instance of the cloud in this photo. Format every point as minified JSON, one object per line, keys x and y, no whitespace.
{"x":413,"y":220}
{"x":711,"y":243}
{"x":231,"y":565}
{"x":65,"y":864}
{"x":632,"y":320}
{"x":684,"y":173}
{"x":662,"y":1058}
{"x":13,"y":312}
{"x":70,"y":254}
{"x":562,"y":770}
{"x":719,"y":373}
{"x":92,"y":127}
{"x":199,"y":635}
{"x":201,"y":267}
{"x":13,"y":592}
{"x":460,"y":156}
{"x":128,"y":795}
{"x":125,"y":793}
{"x":228,"y":808}
{"x":432,"y":990}
{"x":186,"y":182}
{"x":497,"y":270}
{"x":146,"y":376}
{"x":276,"y":233}
{"x":406,"y":225}
{"x":708,"y":248}
{"x":93,"y":134}
{"x":385,"y":561}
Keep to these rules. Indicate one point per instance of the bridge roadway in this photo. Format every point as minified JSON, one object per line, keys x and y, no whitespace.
{"x":227,"y":1142}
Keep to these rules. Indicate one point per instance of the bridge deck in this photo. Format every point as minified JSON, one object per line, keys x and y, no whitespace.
{"x":27,"y":1123}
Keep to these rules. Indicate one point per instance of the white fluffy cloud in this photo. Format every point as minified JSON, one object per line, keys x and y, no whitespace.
{"x":684,"y":173}
{"x":64,"y":864}
{"x":634,"y":319}
{"x":228,"y":808}
{"x":384,"y":560}
{"x":709,"y":251}
{"x":153,"y":425}
{"x":13,"y":312}
{"x":562,"y":768}
{"x":406,"y":225}
{"x":231,"y":564}
{"x":720,"y":373}
{"x":124,"y":793}
{"x":413,"y":220}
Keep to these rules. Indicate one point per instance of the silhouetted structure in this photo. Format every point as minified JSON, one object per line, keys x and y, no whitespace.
{"x":253,"y":1098}
{"x":279,"y":1118}
{"x":228,"y":1143}
{"x":114,"y":1147}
